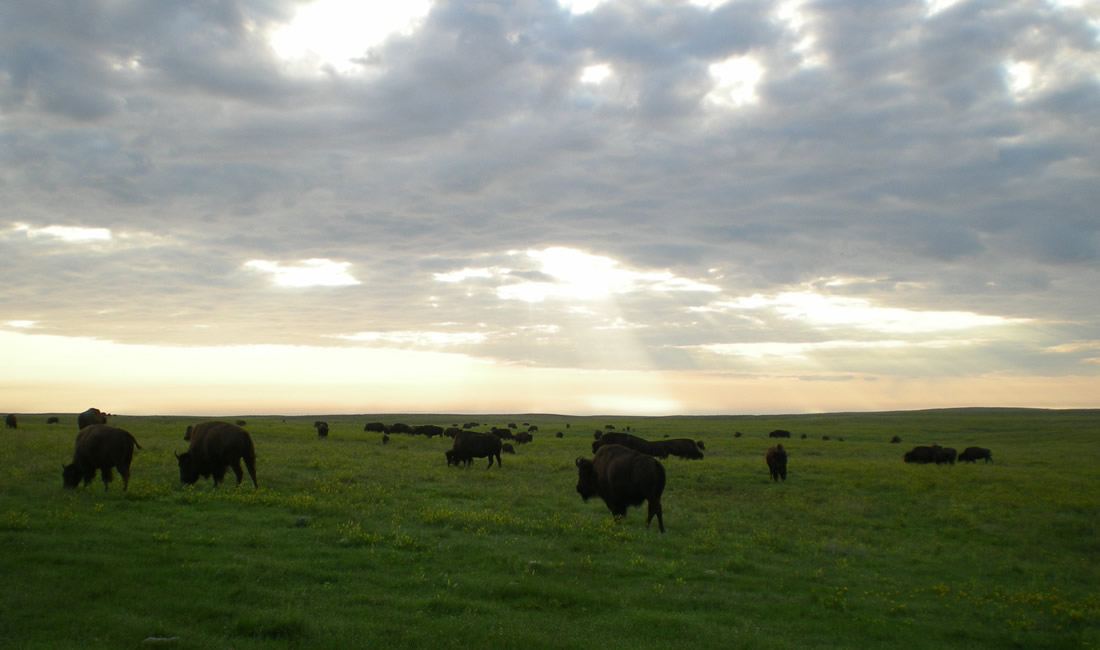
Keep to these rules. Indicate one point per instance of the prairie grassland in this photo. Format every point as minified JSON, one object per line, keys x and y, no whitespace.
{"x":352,"y":543}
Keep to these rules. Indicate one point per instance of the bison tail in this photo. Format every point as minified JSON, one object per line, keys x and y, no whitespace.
{"x":134,"y":440}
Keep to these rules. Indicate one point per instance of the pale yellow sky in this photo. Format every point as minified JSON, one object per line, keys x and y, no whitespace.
{"x":58,"y":374}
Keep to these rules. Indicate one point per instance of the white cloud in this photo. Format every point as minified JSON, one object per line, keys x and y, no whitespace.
{"x":72,"y":234}
{"x":419,"y":338}
{"x":307,"y":273}
{"x":735,"y":81}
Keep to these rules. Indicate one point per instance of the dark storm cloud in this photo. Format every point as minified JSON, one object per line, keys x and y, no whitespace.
{"x":886,"y":147}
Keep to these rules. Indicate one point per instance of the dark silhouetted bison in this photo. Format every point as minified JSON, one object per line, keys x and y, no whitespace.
{"x":216,"y":446}
{"x":895,"y":440}
{"x":623,"y":477}
{"x":322,"y":429}
{"x":700,"y":445}
{"x":240,"y":423}
{"x":53,"y":419}
{"x":11,"y":422}
{"x":100,"y":447}
{"x":507,"y":448}
{"x":780,"y":433}
{"x":502,"y":433}
{"x":385,"y":438}
{"x":559,"y":435}
{"x":522,"y":438}
{"x":681,"y":447}
{"x":921,"y":454}
{"x":776,"y":458}
{"x":630,"y":441}
{"x":974,"y":454}
{"x":451,"y":432}
{"x":944,"y":455}
{"x":469,"y":445}
{"x":376,"y":427}
{"x":90,"y":417}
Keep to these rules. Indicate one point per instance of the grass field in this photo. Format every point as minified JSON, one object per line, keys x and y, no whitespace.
{"x":352,"y":543}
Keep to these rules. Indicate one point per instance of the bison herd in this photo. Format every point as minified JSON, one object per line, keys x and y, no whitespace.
{"x":624,"y":471}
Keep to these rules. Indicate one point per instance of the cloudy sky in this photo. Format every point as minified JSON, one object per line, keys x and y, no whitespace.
{"x":626,"y":206}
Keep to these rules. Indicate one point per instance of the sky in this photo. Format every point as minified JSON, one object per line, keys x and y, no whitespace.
{"x":588,"y":207}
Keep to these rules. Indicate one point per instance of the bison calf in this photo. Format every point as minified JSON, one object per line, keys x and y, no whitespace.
{"x":776,"y":458}
{"x":100,"y":447}
{"x":623,"y":477}
{"x":215,"y":447}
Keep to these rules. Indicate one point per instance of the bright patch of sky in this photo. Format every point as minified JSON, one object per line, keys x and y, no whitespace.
{"x":595,"y":74}
{"x":419,"y":339}
{"x":64,"y":233}
{"x":582,"y":276}
{"x":335,"y":35}
{"x":307,"y":273}
{"x":823,"y":311}
{"x":802,"y":351}
{"x":21,"y":324}
{"x":735,"y":81}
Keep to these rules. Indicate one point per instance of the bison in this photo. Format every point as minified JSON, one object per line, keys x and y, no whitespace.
{"x":101,"y":447}
{"x":780,"y":433}
{"x":895,"y":440}
{"x":623,"y":477}
{"x":216,"y":446}
{"x":776,"y":458}
{"x":53,"y":419}
{"x":507,"y":448}
{"x":523,"y":438}
{"x":974,"y":454}
{"x":11,"y":422}
{"x":921,"y":454}
{"x":681,"y":447}
{"x":376,"y":427}
{"x":630,"y":441}
{"x":944,"y":455}
{"x":322,"y":429}
{"x":90,"y":417}
{"x":469,"y":445}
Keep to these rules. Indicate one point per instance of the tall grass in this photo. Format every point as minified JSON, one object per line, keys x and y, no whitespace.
{"x":352,"y":543}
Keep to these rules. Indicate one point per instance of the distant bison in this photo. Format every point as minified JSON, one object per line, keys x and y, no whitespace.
{"x":90,"y":417}
{"x":974,"y":454}
{"x":920,"y":454}
{"x":895,"y":440}
{"x":216,"y":446}
{"x":630,"y":441}
{"x":100,"y":447}
{"x":469,"y":445}
{"x":507,"y":448}
{"x":239,"y":423}
{"x":623,"y":477}
{"x":322,"y":429}
{"x":681,"y":447}
{"x":53,"y":420}
{"x":780,"y":433}
{"x":944,"y":455}
{"x":376,"y":427}
{"x":776,"y":458}
{"x":523,"y":438}
{"x":11,"y":422}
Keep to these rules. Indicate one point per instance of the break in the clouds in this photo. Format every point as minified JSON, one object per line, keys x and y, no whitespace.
{"x":868,"y":194}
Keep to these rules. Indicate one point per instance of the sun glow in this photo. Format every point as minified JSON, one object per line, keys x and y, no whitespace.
{"x":307,"y":273}
{"x":735,"y":81}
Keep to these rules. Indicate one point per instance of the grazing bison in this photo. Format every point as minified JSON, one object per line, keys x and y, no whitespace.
{"x":921,"y":454}
{"x":100,"y":447}
{"x":944,"y":455}
{"x":974,"y":454}
{"x":522,"y":438}
{"x":559,"y":435}
{"x":322,"y":429}
{"x":53,"y":420}
{"x":11,"y":422}
{"x":376,"y":427}
{"x":681,"y":447}
{"x":630,"y":441}
{"x":780,"y":433}
{"x":241,"y":423}
{"x":776,"y":458}
{"x":216,"y":446}
{"x":385,"y":438}
{"x":623,"y":477}
{"x":895,"y":440}
{"x":507,"y":448}
{"x":469,"y":445}
{"x":700,"y":445}
{"x":90,"y":417}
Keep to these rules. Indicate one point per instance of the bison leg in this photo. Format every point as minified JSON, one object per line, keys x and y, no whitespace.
{"x":107,"y":475}
{"x":238,"y":471}
{"x":655,"y":509}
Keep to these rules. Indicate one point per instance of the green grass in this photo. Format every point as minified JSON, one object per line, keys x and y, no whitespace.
{"x":351,"y":543}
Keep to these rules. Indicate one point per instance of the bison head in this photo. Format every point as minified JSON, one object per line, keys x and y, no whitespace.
{"x":189,"y":470}
{"x":587,"y":483}
{"x":70,"y":475}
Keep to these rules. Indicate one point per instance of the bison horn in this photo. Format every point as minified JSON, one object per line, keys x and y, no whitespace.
{"x":579,"y":459}
{"x":176,"y":454}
